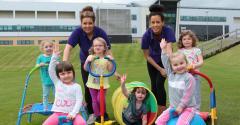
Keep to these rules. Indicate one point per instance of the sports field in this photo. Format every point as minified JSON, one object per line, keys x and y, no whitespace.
{"x":16,"y":61}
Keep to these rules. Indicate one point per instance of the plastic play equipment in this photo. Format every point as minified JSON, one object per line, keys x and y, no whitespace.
{"x":102,"y":99}
{"x":37,"y":107}
{"x":198,"y":120}
{"x":31,"y":108}
{"x":119,"y":102}
{"x":64,"y":121}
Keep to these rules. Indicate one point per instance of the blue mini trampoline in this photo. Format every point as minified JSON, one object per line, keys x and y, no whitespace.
{"x":30,"y":109}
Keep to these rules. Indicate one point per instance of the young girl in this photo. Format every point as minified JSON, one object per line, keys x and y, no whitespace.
{"x":181,"y":85}
{"x":68,"y":96}
{"x":99,"y":66}
{"x":187,"y":45}
{"x":43,"y":60}
{"x":136,"y":112}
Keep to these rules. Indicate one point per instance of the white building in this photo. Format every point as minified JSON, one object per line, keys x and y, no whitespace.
{"x":29,"y":22}
{"x":209,"y":22}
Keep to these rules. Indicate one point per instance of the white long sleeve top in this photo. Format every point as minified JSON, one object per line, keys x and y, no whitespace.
{"x":68,"y":98}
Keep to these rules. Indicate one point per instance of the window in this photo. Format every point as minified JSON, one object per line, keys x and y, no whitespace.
{"x":6,"y":42}
{"x":63,"y":41}
{"x":134,"y":17}
{"x":134,"y":30}
{"x":203,"y":18}
{"x":31,"y":28}
{"x":25,"y":42}
{"x":66,"y":15}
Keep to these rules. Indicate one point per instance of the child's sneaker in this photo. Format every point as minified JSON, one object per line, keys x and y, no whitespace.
{"x":91,"y":119}
{"x":106,"y":118}
{"x":98,"y":119}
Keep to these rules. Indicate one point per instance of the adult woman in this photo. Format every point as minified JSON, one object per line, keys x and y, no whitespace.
{"x":152,"y":53}
{"x":83,"y":36}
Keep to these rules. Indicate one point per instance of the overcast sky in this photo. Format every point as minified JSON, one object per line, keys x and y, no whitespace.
{"x":192,"y":3}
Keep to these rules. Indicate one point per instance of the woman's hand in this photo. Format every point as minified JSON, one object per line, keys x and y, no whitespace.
{"x":163,"y":72}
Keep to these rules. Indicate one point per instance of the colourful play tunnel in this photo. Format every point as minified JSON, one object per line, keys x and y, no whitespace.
{"x":119,"y":101}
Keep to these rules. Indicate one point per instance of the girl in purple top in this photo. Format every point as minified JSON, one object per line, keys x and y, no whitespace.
{"x":152,"y":53}
{"x":83,"y":36}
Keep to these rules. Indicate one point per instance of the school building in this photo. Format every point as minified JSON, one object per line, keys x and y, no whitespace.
{"x":27,"y":23}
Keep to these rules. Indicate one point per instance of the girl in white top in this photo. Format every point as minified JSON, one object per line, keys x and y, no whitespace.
{"x":68,"y":95}
{"x":187,"y":46}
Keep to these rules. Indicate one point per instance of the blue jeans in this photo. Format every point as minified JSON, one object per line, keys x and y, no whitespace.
{"x":46,"y":91}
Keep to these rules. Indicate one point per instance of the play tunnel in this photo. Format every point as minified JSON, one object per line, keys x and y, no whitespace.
{"x":119,"y":102}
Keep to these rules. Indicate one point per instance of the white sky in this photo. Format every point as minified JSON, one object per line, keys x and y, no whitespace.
{"x":192,"y":3}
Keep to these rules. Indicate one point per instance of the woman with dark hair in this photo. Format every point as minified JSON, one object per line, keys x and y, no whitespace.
{"x":83,"y":36}
{"x":152,"y":53}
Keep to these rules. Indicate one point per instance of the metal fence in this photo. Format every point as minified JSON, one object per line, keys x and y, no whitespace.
{"x":220,"y":43}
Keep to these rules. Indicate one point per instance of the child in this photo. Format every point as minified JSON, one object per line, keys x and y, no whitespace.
{"x":68,"y":96}
{"x":181,"y":85}
{"x":99,"y":66}
{"x":136,"y":112}
{"x":187,"y":45}
{"x":43,"y":60}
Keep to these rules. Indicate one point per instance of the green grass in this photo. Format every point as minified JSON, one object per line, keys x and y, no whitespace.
{"x":16,"y":61}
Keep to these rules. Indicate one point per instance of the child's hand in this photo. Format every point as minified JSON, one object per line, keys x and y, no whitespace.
{"x":42,"y":64}
{"x":90,"y":58}
{"x":123,"y":79}
{"x":191,"y":67}
{"x":179,"y":110}
{"x":56,"y":49}
{"x":110,"y":57}
{"x":163,"y":44}
{"x":70,"y":117}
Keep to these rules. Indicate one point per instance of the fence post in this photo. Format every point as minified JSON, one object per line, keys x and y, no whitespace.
{"x":221,"y":49}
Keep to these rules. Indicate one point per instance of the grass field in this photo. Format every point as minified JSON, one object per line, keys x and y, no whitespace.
{"x":15,"y":62}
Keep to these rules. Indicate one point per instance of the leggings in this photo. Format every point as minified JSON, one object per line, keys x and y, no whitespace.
{"x":157,"y":84}
{"x":53,"y":119}
{"x":184,"y":118}
{"x":95,"y":93}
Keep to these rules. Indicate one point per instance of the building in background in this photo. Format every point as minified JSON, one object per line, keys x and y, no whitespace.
{"x":209,"y":23}
{"x":24,"y":23}
{"x":27,"y":23}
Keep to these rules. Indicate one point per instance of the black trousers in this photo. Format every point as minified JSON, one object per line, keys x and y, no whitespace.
{"x":157,"y":84}
{"x":87,"y":95}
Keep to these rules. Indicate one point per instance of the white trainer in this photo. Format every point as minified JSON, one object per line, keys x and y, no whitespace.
{"x":91,"y":119}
